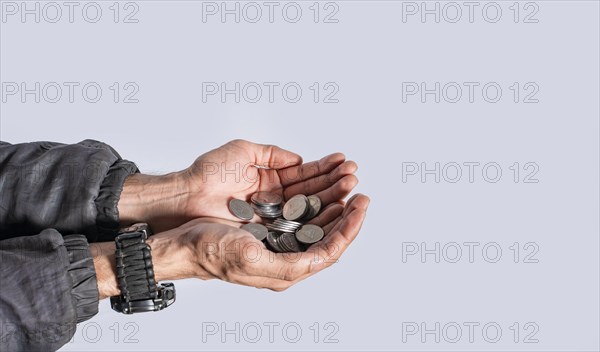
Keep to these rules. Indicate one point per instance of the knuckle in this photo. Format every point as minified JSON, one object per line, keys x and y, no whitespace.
{"x":238,"y":142}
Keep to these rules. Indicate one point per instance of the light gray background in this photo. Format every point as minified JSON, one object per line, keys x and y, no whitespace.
{"x":369,"y":53}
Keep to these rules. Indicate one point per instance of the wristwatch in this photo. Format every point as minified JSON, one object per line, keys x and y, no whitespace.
{"x":135,"y":274}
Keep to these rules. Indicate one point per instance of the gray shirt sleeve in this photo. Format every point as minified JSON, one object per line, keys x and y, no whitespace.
{"x":73,"y":188}
{"x":47,"y":285}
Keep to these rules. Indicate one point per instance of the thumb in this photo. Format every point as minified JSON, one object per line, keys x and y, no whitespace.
{"x":268,"y":156}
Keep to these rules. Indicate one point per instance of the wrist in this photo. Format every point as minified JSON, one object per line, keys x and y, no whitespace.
{"x":156,"y":200}
{"x":105,"y":266}
{"x":170,"y":258}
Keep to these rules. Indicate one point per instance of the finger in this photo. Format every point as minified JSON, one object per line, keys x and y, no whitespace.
{"x":294,"y":267}
{"x":350,"y":225}
{"x":332,"y":225}
{"x":280,"y":266}
{"x":349,"y":201}
{"x":269,"y":181}
{"x":338,"y":190}
{"x":327,"y":215}
{"x":357,"y":201}
{"x":326,"y":253}
{"x":319,"y":183}
{"x":262,"y":282}
{"x":268,"y":156}
{"x":330,"y":249}
{"x":295,"y":174}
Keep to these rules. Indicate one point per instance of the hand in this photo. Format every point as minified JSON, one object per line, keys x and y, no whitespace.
{"x":235,"y":170}
{"x":212,"y":248}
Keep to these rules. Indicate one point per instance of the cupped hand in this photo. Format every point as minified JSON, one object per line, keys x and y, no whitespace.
{"x":214,"y":248}
{"x":240,"y":168}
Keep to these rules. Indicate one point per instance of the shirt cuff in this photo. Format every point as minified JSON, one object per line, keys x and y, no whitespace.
{"x":83,"y":277}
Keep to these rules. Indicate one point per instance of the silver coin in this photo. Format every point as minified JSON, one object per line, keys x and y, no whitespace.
{"x":280,"y":228}
{"x":288,"y":222}
{"x":269,"y":216}
{"x":241,"y":209}
{"x":284,"y":228}
{"x":314,"y":207}
{"x":259,"y":231}
{"x":266,"y":198}
{"x":288,"y":242}
{"x":273,"y":243}
{"x":309,"y":234}
{"x":284,"y":249}
{"x":279,"y":224}
{"x":267,"y":208}
{"x":296,"y":207}
{"x":267,"y":212}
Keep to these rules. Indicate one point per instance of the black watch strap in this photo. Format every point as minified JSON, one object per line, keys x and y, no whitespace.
{"x":135,"y":274}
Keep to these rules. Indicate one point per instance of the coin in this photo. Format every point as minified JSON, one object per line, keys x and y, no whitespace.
{"x":314,"y":207}
{"x":270,"y":212}
{"x":296,"y":207}
{"x":282,"y":225}
{"x":267,"y":204}
{"x":309,"y":234}
{"x":280,"y":228}
{"x":288,"y":222}
{"x":288,"y":242}
{"x":283,"y":234}
{"x":266,"y":198}
{"x":272,"y":242}
{"x":241,"y":209}
{"x":259,"y":231}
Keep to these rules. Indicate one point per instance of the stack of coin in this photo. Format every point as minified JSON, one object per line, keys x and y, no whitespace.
{"x":283,"y":225}
{"x":287,"y":234}
{"x":285,"y":242}
{"x":301,"y":207}
{"x":267,"y":204}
